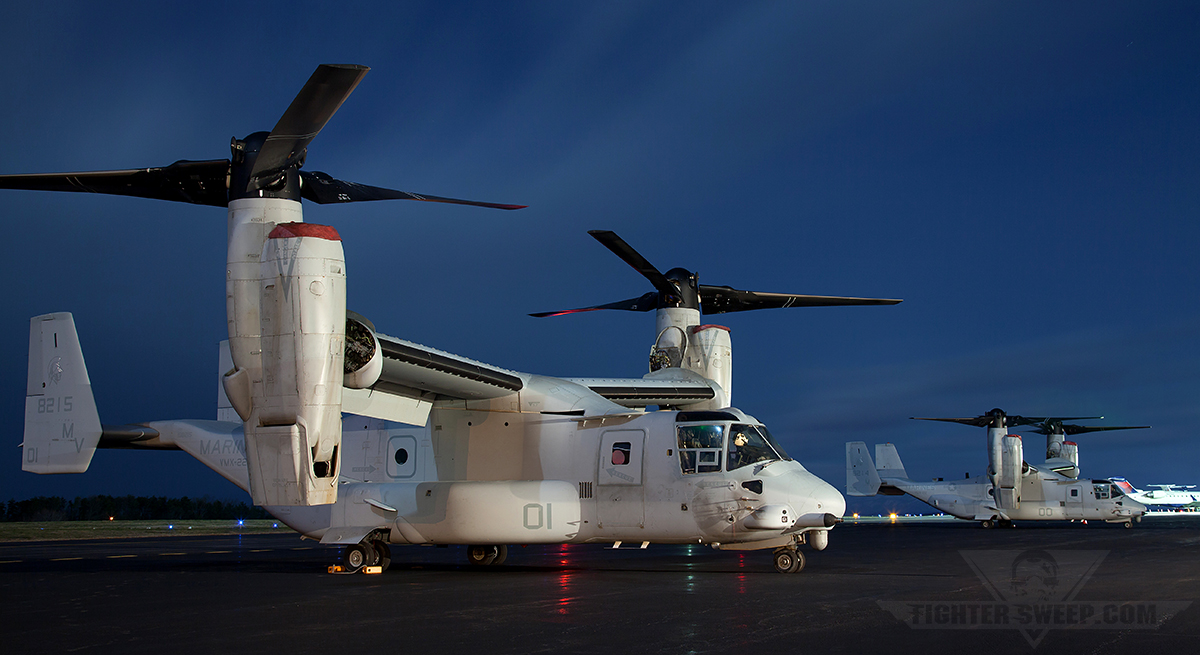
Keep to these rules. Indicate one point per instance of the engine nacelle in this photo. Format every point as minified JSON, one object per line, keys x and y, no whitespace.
{"x":1071,"y":452}
{"x":1007,"y":488}
{"x":710,"y":353}
{"x":286,"y":383}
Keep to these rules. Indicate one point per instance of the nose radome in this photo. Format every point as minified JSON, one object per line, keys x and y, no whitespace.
{"x":830,"y":499}
{"x":808,"y":491}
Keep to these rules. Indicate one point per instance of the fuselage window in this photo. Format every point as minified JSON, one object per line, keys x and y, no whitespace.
{"x":620,"y":453}
{"x":701,"y":448}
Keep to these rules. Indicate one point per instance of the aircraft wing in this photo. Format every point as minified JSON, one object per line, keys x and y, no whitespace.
{"x":419,"y":372}
{"x":423,"y":373}
{"x":680,"y":388}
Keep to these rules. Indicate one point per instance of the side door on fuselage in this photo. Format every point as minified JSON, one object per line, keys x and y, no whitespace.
{"x":1075,"y":501}
{"x":620,"y":494}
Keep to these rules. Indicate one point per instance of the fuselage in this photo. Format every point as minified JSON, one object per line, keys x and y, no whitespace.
{"x":554,"y":463}
{"x":1045,"y":496}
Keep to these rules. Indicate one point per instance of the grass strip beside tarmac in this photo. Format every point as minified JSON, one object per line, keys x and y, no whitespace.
{"x":55,"y":530}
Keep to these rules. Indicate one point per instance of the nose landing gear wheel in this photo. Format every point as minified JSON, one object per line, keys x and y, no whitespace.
{"x":1128,"y":524}
{"x":484,"y":555}
{"x":788,"y":560}
{"x":501,"y":555}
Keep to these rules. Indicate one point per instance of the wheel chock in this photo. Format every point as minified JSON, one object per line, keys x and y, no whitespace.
{"x":338,"y":569}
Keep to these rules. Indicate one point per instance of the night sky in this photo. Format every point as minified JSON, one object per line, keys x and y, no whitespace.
{"x":1023,"y":174}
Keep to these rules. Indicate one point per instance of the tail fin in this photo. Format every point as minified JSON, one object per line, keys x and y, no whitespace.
{"x":62,"y":426}
{"x":861,"y":477}
{"x":888,"y":461}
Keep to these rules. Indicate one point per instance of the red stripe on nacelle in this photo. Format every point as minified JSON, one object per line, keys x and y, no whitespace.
{"x":293,"y":230}
{"x":699,"y":328}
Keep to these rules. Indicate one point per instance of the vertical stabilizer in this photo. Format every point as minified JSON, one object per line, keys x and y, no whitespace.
{"x":62,"y":426}
{"x":861,"y":477}
{"x":887,"y":460}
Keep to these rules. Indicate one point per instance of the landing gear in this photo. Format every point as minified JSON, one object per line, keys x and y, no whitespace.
{"x":1004,"y":523}
{"x":357,"y":556}
{"x":485,"y":555}
{"x":987,"y":523}
{"x":1128,"y":524}
{"x":369,"y":552}
{"x":788,"y":560}
{"x":383,"y":554}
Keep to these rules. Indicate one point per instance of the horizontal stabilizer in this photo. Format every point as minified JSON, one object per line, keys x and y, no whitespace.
{"x":861,"y":477}
{"x":62,"y":427}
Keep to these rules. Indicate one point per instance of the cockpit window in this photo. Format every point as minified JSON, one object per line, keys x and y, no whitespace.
{"x":749,"y":444}
{"x":771,"y":440}
{"x":700,"y":448}
{"x":705,"y":449}
{"x":1102,"y":491}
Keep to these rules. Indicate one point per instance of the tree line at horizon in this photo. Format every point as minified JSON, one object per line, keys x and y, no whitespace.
{"x":127,"y":508}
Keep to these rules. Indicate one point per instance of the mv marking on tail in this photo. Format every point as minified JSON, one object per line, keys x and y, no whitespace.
{"x":354,"y":437}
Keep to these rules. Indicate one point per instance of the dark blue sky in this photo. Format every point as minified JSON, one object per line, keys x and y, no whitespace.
{"x":1023,"y":174}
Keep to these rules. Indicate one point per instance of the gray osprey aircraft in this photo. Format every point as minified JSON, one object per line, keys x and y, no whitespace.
{"x":354,"y":437}
{"x":1013,"y":488}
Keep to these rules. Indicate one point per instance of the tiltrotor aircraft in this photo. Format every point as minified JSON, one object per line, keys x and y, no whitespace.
{"x":1013,"y":489}
{"x":353,"y":437}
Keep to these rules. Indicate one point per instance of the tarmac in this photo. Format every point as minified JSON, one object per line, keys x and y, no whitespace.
{"x":880,"y":587}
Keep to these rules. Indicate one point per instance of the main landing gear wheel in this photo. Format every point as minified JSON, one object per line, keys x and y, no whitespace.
{"x":987,"y":523}
{"x":358,"y":556}
{"x":485,"y":555}
{"x":1128,"y":524}
{"x":788,"y":560}
{"x":383,"y":554}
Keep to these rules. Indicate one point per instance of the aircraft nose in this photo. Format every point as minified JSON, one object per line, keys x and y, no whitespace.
{"x":829,"y":499}
{"x":816,"y":502}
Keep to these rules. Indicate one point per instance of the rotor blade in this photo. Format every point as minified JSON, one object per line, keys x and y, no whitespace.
{"x":316,"y":103}
{"x":643,"y":303}
{"x":977,"y":421}
{"x":323,"y":189}
{"x":721,"y":300}
{"x":1081,"y":429}
{"x":1047,"y":424}
{"x":196,"y":182}
{"x":632,"y":257}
